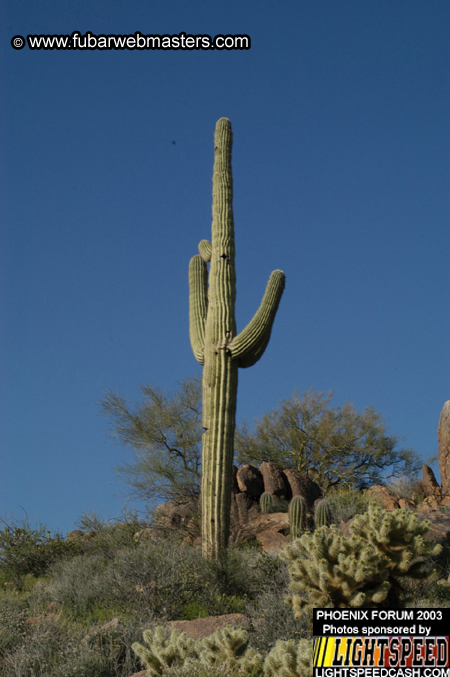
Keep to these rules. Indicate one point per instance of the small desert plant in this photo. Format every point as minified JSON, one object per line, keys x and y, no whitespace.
{"x":272,"y":620}
{"x":406,"y":487}
{"x":346,"y":503}
{"x":159,"y":578}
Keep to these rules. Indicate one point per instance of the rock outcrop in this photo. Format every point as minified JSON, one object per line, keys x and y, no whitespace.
{"x":275,"y":481}
{"x":386,"y":497}
{"x":429,"y":482}
{"x":440,"y":524}
{"x":250,"y":480}
{"x":272,"y":540}
{"x":246,"y":508}
{"x":247,"y":486}
{"x":203,"y":627}
{"x":444,"y":447}
{"x":275,"y":521}
{"x":302,"y":485}
{"x":171,"y":514}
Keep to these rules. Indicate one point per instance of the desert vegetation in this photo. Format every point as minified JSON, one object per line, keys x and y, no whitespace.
{"x":72,"y":608}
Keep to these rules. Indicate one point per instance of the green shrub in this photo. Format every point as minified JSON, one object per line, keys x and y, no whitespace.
{"x":110,"y":536}
{"x":253,"y":545}
{"x":407,"y":487}
{"x":192,"y":611}
{"x":346,"y":503}
{"x":54,"y":649}
{"x":28,"y":551}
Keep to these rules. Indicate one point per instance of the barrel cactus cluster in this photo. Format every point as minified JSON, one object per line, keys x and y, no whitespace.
{"x":218,"y":346}
{"x":298,"y":515}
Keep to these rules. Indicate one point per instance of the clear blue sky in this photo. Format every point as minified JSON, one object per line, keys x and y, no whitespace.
{"x":341,"y":161}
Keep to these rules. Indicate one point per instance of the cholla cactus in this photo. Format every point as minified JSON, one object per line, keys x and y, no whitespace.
{"x":265,"y":502}
{"x":322,"y":513}
{"x":297,"y":515}
{"x":224,"y":647}
{"x":361,"y":570}
{"x":398,"y":536}
{"x":230,"y":647}
{"x":288,"y":659}
{"x":219,"y":348}
{"x":227,"y":647}
{"x":160,"y":653}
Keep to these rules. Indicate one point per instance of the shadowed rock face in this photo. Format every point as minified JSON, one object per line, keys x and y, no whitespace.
{"x":172,"y":514}
{"x":444,"y":447}
{"x":234,"y":483}
{"x":301,"y":485}
{"x":275,"y":481}
{"x":250,"y":480}
{"x":429,"y":482}
{"x":247,"y":508}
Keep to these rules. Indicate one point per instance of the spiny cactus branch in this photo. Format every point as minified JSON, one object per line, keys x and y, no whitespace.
{"x":198,"y":305}
{"x":204,"y":247}
{"x":248,"y":346}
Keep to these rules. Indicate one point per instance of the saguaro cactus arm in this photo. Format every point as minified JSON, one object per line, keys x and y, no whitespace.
{"x":248,"y":346}
{"x":204,"y":247}
{"x":198,"y":305}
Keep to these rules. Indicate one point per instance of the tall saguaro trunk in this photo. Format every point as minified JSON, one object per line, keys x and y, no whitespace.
{"x":218,"y":347}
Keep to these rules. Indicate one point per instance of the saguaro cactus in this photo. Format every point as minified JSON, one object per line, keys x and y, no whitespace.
{"x":218,"y":347}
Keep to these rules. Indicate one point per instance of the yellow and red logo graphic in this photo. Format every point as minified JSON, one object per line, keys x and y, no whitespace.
{"x":402,"y":652}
